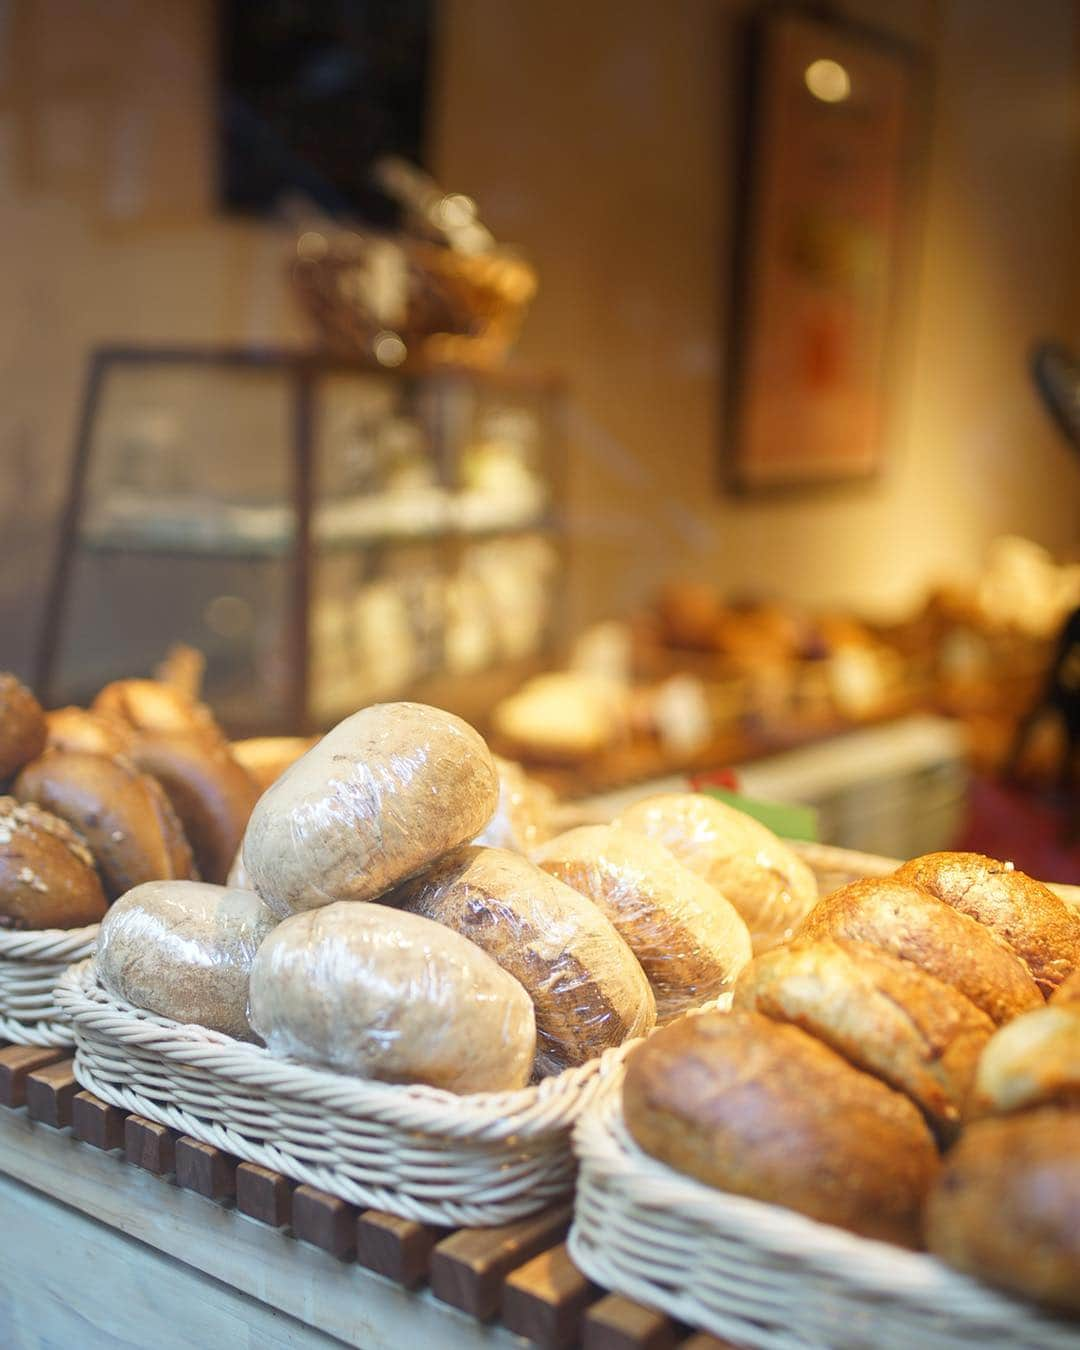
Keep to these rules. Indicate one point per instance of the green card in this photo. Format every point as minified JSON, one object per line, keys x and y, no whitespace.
{"x":790,"y":822}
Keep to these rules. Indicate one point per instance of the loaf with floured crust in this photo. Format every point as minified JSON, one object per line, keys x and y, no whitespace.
{"x":910,"y":923}
{"x":768,"y":884}
{"x":1005,"y":1207}
{"x":123,"y":815}
{"x":690,"y":941}
{"x":369,"y":990}
{"x":1037,"y":924}
{"x":47,"y":874}
{"x":22,"y":726}
{"x":884,"y":1015}
{"x":384,"y":794}
{"x":1034,"y":1060}
{"x":761,"y":1109}
{"x":184,"y":949}
{"x":588,"y":989}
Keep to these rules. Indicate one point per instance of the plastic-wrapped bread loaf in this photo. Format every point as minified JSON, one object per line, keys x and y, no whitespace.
{"x":184,"y":949}
{"x":383,"y":994}
{"x":586,"y":984}
{"x":690,"y":940}
{"x":768,"y":884}
{"x":384,"y":794}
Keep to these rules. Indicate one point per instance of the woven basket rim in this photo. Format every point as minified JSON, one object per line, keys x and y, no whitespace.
{"x":526,"y":1112}
{"x":47,"y":944}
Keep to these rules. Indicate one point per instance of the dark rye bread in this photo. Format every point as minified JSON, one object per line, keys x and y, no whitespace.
{"x":884,"y":1015}
{"x":586,"y":985}
{"x":22,"y":726}
{"x":907,"y":922}
{"x":1006,"y":1207}
{"x":1037,"y":924}
{"x":123,"y":815}
{"x":761,"y":1109}
{"x":47,"y":876}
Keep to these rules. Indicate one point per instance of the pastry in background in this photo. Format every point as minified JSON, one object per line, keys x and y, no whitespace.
{"x":522,"y":819}
{"x":1032,"y":1061}
{"x":563,"y":717}
{"x":47,"y":873}
{"x":267,"y":757}
{"x":93,"y":733}
{"x":22,"y":726}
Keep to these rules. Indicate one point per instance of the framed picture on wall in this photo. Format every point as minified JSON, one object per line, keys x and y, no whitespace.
{"x":827,"y":212}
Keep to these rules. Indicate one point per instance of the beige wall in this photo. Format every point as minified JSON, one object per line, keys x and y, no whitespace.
{"x":596,"y":134}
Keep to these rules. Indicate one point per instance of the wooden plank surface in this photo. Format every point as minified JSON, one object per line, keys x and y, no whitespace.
{"x":96,"y":1122}
{"x":204,"y":1169}
{"x":50,"y":1092}
{"x":544,"y":1299}
{"x":17,"y":1062}
{"x":324,"y":1221}
{"x":399,"y":1249}
{"x":149,"y":1145}
{"x":469,"y":1267}
{"x":616,"y":1323}
{"x":264,"y":1195}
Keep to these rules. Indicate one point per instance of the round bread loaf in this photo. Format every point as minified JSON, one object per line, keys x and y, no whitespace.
{"x":183,"y":949}
{"x":1006,"y":1203}
{"x":123,"y":815}
{"x":761,"y":1109}
{"x":152,"y":706}
{"x":210,"y":791}
{"x":92,"y":733}
{"x":267,"y":757}
{"x":522,"y":819}
{"x":884,"y":1015}
{"x":47,"y":876}
{"x":690,"y":941}
{"x":238,"y":878}
{"x":384,"y":994}
{"x":380,"y":797}
{"x":586,"y":984}
{"x":1040,"y":928}
{"x":911,"y":924}
{"x":771,"y":888}
{"x":1035,"y":1059}
{"x":1068,"y":991}
{"x":22,"y":726}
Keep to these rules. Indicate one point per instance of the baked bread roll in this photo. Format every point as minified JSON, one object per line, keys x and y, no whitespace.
{"x":1006,"y":1203}
{"x":1038,"y":925}
{"x":771,"y":888}
{"x":22,"y":726}
{"x":212,"y":794}
{"x":183,"y":949}
{"x":587,"y":987}
{"x":93,"y":733}
{"x":384,"y":794}
{"x":761,"y":1109}
{"x":917,"y":1034}
{"x":267,"y":757}
{"x":47,"y":876}
{"x":911,"y":924}
{"x":123,"y":815}
{"x":690,"y":941}
{"x":1034,"y":1060}
{"x":389,"y":995}
{"x":1068,"y":991}
{"x":153,"y":706}
{"x":522,"y":819}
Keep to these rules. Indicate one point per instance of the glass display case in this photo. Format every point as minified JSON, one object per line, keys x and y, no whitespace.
{"x":327,"y":532}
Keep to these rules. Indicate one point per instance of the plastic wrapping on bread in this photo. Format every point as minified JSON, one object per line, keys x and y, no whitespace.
{"x":383,"y":994}
{"x":184,"y":949}
{"x":768,"y":884}
{"x":587,"y":987}
{"x":690,"y":940}
{"x":384,"y":794}
{"x":522,"y":818}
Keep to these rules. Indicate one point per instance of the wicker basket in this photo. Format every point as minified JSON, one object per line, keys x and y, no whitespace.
{"x":760,"y":1275}
{"x":30,"y":965}
{"x":415,"y":1151}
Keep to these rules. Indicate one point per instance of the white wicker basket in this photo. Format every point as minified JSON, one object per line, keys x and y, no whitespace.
{"x":760,"y":1275}
{"x":415,"y":1151}
{"x":30,"y":964}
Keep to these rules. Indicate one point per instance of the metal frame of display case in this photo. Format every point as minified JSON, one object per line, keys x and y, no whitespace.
{"x":304,"y":367}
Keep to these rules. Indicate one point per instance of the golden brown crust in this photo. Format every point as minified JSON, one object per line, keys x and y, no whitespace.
{"x":22,"y":726}
{"x":1037,"y":924}
{"x":588,"y":988}
{"x":884,"y":1015}
{"x":122,"y":814}
{"x":1006,"y":1207}
{"x":910,"y":923}
{"x":47,"y":876}
{"x":1032,"y":1061}
{"x":1068,"y":991}
{"x":267,"y":757}
{"x":761,"y":1109}
{"x":94,"y":733}
{"x":211,"y":793}
{"x":151,"y":706}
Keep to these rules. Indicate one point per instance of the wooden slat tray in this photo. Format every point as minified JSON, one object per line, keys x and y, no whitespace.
{"x":518,"y":1278}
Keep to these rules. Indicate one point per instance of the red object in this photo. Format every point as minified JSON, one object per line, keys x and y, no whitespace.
{"x":1005,"y":822}
{"x":723,"y":778}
